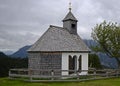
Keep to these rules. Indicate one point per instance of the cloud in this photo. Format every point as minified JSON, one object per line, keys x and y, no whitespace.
{"x":22,"y":22}
{"x":109,"y":10}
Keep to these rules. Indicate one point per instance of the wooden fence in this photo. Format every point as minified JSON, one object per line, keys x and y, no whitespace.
{"x":92,"y":74}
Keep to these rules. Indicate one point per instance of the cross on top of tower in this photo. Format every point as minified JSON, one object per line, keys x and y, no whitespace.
{"x":70,"y":6}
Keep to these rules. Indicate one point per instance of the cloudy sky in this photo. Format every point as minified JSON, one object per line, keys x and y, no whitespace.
{"x":22,"y":22}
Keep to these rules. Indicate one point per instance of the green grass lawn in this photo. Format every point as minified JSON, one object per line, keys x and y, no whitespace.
{"x":106,"y":82}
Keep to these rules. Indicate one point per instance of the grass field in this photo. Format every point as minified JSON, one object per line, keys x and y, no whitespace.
{"x":107,"y":82}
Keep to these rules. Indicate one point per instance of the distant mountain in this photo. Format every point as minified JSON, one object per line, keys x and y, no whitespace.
{"x":22,"y":52}
{"x":104,"y":59}
{"x":90,"y":43}
{"x":8,"y":52}
{"x":107,"y":61}
{"x":2,"y":55}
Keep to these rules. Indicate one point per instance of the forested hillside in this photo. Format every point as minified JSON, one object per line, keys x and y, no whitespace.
{"x":7,"y":63}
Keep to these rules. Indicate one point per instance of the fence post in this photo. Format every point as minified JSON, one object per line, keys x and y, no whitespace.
{"x":78,"y":74}
{"x":9,"y":73}
{"x":117,"y":73}
{"x":52,"y":74}
{"x":95,"y":73}
{"x":30,"y":74}
{"x":107,"y":73}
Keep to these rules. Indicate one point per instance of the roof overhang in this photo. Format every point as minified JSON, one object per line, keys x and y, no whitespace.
{"x":59,"y":51}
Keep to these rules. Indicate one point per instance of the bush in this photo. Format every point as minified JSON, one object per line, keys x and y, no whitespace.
{"x":94,"y":61}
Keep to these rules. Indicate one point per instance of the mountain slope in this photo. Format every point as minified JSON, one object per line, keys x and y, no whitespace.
{"x":22,"y":52}
{"x":8,"y":52}
{"x":2,"y":55}
{"x":104,"y":59}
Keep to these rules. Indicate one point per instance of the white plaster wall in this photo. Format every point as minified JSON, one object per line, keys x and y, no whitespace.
{"x":65,"y":62}
{"x":84,"y":63}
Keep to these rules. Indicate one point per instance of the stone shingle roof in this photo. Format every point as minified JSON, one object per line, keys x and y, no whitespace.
{"x":70,"y":16}
{"x":59,"y":39}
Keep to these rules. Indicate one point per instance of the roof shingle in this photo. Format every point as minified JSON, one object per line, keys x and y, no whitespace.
{"x":59,"y":39}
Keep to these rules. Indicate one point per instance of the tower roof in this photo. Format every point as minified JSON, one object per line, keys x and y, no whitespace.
{"x":70,"y":16}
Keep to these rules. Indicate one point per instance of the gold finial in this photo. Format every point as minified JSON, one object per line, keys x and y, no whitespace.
{"x":70,"y":7}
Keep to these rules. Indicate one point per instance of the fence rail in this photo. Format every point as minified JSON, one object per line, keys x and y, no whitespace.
{"x":29,"y":75}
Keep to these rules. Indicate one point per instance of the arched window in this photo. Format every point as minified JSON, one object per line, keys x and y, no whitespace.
{"x":70,"y":64}
{"x":74,"y":62}
{"x":80,"y":62}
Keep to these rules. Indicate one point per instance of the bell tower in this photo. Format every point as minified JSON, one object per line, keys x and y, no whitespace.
{"x":70,"y":22}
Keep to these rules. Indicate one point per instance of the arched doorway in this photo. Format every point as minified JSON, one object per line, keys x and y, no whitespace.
{"x":72,"y":64}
